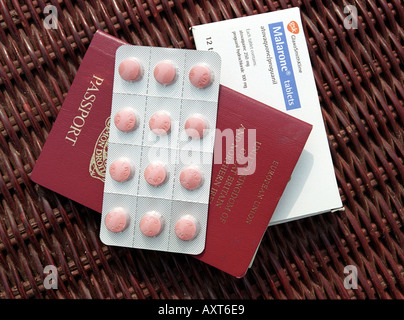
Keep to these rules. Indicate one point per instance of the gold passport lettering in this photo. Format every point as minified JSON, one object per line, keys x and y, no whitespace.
{"x":233,"y":196}
{"x":238,"y":180}
{"x":85,"y":107}
{"x":261,"y":193}
{"x":98,"y":162}
{"x":227,"y":184}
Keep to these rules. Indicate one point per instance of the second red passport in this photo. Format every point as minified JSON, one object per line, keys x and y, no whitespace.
{"x":261,"y":145}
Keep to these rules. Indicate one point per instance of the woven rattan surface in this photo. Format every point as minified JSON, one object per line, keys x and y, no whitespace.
{"x":359,"y":76}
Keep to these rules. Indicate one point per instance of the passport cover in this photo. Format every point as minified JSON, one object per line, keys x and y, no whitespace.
{"x":241,"y":206}
{"x":73,"y":160}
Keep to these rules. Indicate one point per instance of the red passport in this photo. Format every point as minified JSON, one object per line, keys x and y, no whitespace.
{"x":73,"y":160}
{"x":241,"y":206}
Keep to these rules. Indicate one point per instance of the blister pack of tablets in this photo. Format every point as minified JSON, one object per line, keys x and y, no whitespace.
{"x":160,"y":148}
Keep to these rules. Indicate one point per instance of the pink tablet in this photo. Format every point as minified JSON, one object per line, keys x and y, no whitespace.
{"x":155,"y":174}
{"x":190,"y":178}
{"x":196,"y":127}
{"x":200,"y":76}
{"x":125,"y":120}
{"x":186,"y":228}
{"x":160,"y":123}
{"x":165,"y":72}
{"x":117,"y":220}
{"x":151,"y":224}
{"x":121,"y":169}
{"x":130,"y":70}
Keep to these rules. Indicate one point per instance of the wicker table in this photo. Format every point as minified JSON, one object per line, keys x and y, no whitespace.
{"x":359,"y":77}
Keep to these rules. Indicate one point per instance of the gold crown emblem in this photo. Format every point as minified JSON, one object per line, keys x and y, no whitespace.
{"x":98,"y":162}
